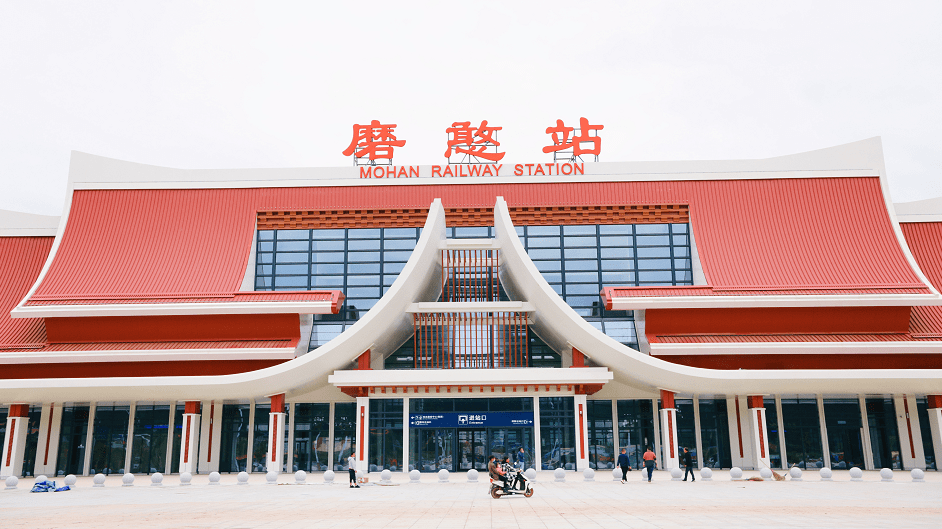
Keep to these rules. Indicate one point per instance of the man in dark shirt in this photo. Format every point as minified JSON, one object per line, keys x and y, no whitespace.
{"x":624,"y":465}
{"x":688,"y":465}
{"x":496,"y":472}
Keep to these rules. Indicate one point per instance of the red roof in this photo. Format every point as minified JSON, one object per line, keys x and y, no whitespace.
{"x":925,"y":241}
{"x":765,"y":338}
{"x":21,"y":259}
{"x":148,"y":346}
{"x":800,"y":234}
{"x":335,"y":297}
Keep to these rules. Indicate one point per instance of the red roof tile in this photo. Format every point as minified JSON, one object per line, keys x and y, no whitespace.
{"x":21,"y":259}
{"x":925,"y":242}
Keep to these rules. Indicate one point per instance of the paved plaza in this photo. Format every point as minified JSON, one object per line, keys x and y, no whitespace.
{"x":429,"y":504}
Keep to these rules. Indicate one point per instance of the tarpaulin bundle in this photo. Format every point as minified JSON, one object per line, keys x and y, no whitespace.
{"x":48,"y":486}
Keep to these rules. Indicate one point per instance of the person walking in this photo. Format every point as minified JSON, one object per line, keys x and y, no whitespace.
{"x":688,"y":465}
{"x":521,"y":459}
{"x":624,"y":464}
{"x":649,"y":460}
{"x":352,"y":463}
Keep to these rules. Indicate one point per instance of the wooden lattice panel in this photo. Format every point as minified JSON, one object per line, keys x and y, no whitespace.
{"x":521,"y":215}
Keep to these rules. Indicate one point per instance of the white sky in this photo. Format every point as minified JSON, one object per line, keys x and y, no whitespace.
{"x":235,"y":84}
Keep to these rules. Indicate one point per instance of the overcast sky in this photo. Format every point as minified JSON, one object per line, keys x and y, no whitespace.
{"x":270,"y":84}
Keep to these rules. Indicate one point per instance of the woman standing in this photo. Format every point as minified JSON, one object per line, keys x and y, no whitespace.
{"x":649,"y":459}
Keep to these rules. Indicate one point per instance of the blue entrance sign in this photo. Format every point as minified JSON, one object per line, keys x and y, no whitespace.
{"x":495,"y":419}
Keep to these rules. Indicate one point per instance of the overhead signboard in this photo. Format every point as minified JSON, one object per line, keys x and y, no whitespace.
{"x":499,"y":419}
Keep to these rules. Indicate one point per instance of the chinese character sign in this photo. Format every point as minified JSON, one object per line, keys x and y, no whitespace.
{"x":374,"y":142}
{"x":473,"y":141}
{"x":576,"y":144}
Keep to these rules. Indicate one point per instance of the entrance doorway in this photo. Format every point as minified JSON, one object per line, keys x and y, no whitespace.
{"x":472,"y":449}
{"x":463,"y":449}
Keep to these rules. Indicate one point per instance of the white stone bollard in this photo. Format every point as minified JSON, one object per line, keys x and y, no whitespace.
{"x":472,"y":476}
{"x":531,"y":475}
{"x":559,"y":474}
{"x":242,"y":478}
{"x":918,"y":475}
{"x":765,"y":473}
{"x":12,"y":482}
{"x":414,"y":476}
{"x":588,"y":475}
{"x":329,"y":477}
{"x":185,"y":479}
{"x":443,"y":476}
{"x":706,"y":474}
{"x":886,"y":475}
{"x":385,"y":477}
{"x":271,"y":477}
{"x":616,"y":474}
{"x":98,"y":480}
{"x":214,"y":478}
{"x":127,"y":480}
{"x":795,"y":473}
{"x":300,"y":477}
{"x":856,"y":474}
{"x":156,"y":479}
{"x":40,"y":478}
{"x":676,"y":474}
{"x":735,"y":473}
{"x":826,"y":474}
{"x":70,"y":480}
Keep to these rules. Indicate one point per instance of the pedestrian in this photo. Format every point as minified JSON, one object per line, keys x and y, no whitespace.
{"x":521,"y":459}
{"x":624,"y":464}
{"x":649,"y":459}
{"x":352,"y":462}
{"x":688,"y":465}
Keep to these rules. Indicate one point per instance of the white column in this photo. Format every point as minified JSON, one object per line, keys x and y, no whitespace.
{"x":668,"y":421}
{"x":171,"y":424}
{"x":658,"y":434}
{"x":128,"y":452}
{"x":935,"y":428}
{"x":14,"y":445}
{"x":210,"y":444}
{"x":825,"y":443}
{"x":92,"y":410}
{"x":276,"y":428}
{"x":330,"y":435}
{"x":910,"y":439}
{"x":363,"y":433}
{"x":405,"y":434}
{"x":696,"y":423}
{"x":47,"y":448}
{"x":537,"y":446}
{"x":250,"y":445}
{"x":582,"y":432}
{"x":291,"y":418}
{"x":615,"y":432}
{"x":760,"y":432}
{"x":189,"y":439}
{"x":865,"y":433}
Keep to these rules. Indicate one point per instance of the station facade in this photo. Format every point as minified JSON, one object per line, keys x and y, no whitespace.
{"x":761,"y":313}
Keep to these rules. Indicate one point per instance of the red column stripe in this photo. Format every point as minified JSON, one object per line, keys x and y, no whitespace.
{"x":209,"y":449}
{"x":670,"y":430}
{"x":274,"y":437}
{"x":186,"y":444}
{"x":739,"y":427}
{"x":909,"y":427}
{"x":581,"y":434}
{"x":362,"y":440}
{"x":10,"y":441}
{"x":48,"y":434}
{"x":761,"y":432}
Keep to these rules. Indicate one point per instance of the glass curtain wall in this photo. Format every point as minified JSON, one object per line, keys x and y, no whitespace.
{"x":635,"y":428}
{"x":686,"y":428}
{"x":149,"y":446}
{"x":234,"y":438}
{"x":771,"y":425}
{"x":884,"y":434}
{"x":311,"y":437}
{"x":260,"y":438}
{"x":844,"y":425}
{"x":714,"y":433}
{"x":601,"y":434}
{"x":73,"y":431}
{"x":922,"y":408}
{"x":345,"y":433}
{"x":557,"y":433}
{"x":385,"y":434}
{"x":802,"y":433}
{"x":109,"y":439}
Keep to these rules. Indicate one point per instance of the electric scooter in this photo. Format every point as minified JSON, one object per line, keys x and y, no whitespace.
{"x":519,"y":485}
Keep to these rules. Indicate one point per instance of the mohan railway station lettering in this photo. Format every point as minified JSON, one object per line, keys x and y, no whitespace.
{"x":472,"y":151}
{"x":464,"y":170}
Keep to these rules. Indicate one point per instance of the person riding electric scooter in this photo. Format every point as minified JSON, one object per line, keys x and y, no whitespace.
{"x":512,"y":479}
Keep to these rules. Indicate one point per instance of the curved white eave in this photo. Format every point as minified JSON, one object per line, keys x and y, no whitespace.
{"x":171,"y":309}
{"x":384,"y":327}
{"x":840,"y":300}
{"x":796,"y":348}
{"x":559,"y":324}
{"x":470,"y":377}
